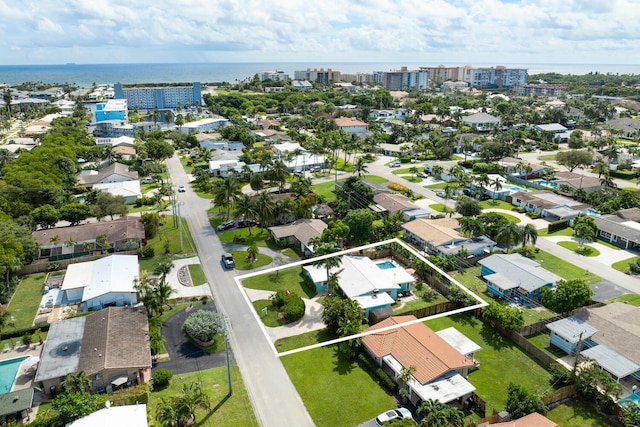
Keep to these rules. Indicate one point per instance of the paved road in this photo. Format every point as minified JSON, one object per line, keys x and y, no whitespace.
{"x":186,"y":357}
{"x":274,"y":398}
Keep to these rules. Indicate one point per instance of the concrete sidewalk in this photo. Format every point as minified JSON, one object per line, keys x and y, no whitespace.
{"x":182,"y":291}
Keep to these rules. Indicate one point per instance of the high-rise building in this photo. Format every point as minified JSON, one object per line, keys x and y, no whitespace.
{"x":321,"y":75}
{"x":279,"y":76}
{"x":406,"y":79}
{"x":163,"y":97}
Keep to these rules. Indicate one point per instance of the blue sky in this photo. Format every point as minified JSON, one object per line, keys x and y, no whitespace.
{"x":428,"y":31}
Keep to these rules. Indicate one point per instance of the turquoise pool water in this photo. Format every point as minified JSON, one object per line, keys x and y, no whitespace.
{"x":8,"y":370}
{"x":634,"y":398}
{"x":544,"y":183}
{"x":386,"y":265}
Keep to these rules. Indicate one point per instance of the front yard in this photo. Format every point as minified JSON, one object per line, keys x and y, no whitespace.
{"x":292,"y":279}
{"x":334,"y":391}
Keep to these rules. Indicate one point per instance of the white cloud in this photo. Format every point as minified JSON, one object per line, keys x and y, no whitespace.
{"x":442,"y":31}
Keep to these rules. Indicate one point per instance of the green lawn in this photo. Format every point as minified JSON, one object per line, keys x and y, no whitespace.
{"x":149,"y":264}
{"x":240,"y":257}
{"x":258,"y":236}
{"x":407,"y":171}
{"x":577,"y":413}
{"x":585,"y":250}
{"x":291,"y":253}
{"x":417,"y":303}
{"x":564,"y":269}
{"x":376,"y":179}
{"x":271,"y":318}
{"x":511,"y":218}
{"x":302,"y":340}
{"x":501,"y":362}
{"x":624,"y":264}
{"x":411,"y":178}
{"x":546,"y":157}
{"x":197,"y":275}
{"x":332,"y":389}
{"x":437,"y":185}
{"x":293,"y":279}
{"x":633,"y":299}
{"x":227,"y":410}
{"x":325,"y":191}
{"x":496,"y":204}
{"x":167,"y":241}
{"x":24,"y":304}
{"x":543,"y":342}
{"x":439,"y":207}
{"x":564,"y":232}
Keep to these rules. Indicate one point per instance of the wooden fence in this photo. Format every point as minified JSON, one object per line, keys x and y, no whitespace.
{"x":536,"y":328}
{"x":432,"y":310}
{"x":531,"y":349}
{"x":559,"y":395}
{"x":42,"y":265}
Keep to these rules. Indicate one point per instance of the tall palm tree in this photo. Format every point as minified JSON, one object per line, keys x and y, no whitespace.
{"x":179,"y":121}
{"x":509,"y":234}
{"x":169,"y":117}
{"x":324,"y":248}
{"x":192,"y":398}
{"x":279,"y":173}
{"x":167,"y":414}
{"x":77,"y":382}
{"x":361,"y":167}
{"x":225,"y":192}
{"x":529,"y":234}
{"x":265,"y":208}
{"x":155,"y":116}
{"x":496,"y":184}
{"x":246,"y":208}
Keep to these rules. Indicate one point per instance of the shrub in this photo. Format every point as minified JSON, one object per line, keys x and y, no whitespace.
{"x":397,"y":187}
{"x":27,"y":338}
{"x":293,"y":308}
{"x":147,"y":252}
{"x":203,"y":325}
{"x":558,"y":225}
{"x":161,"y":378}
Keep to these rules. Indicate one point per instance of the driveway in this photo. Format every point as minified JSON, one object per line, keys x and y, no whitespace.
{"x":608,"y":255}
{"x":185,"y":356}
{"x":180,"y":290}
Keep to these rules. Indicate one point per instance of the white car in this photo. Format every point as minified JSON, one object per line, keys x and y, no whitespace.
{"x":394,"y":414}
{"x":181,"y":189}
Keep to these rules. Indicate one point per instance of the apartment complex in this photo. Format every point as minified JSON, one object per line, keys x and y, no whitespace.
{"x":279,"y":76}
{"x":405,"y":79}
{"x":541,"y":89}
{"x":113,"y":109}
{"x":321,"y":75}
{"x":149,"y":98}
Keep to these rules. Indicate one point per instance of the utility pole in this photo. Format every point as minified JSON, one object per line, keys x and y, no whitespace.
{"x":578,"y":348}
{"x":227,"y":329}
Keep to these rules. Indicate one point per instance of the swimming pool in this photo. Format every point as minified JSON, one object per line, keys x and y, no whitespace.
{"x":544,"y":183}
{"x":515,"y":189}
{"x":386,"y":265}
{"x":633,"y":398}
{"x":8,"y":370}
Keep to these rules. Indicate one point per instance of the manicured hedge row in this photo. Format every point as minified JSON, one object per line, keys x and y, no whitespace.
{"x":558,"y":225}
{"x":368,"y":365}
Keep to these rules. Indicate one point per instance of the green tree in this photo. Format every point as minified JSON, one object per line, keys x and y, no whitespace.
{"x":252,"y":253}
{"x":529,"y":234}
{"x":77,"y":382}
{"x":265,"y":208}
{"x":225,"y":192}
{"x":360,"y":223}
{"x":467,"y":206}
{"x":75,"y":213}
{"x":360,"y":167}
{"x":585,"y":229}
{"x":438,"y":414}
{"x":46,"y":216}
{"x":109,"y":205}
{"x":471,"y":226}
{"x":72,"y":406}
{"x":572,"y":159}
{"x":245,"y":208}
{"x":510,"y":234}
{"x":566,"y":296}
{"x":521,"y":402}
{"x":191,"y":399}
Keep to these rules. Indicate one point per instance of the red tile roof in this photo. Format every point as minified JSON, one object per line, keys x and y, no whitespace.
{"x":415,"y":345}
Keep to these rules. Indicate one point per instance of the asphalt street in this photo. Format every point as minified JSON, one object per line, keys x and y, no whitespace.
{"x":274,"y":398}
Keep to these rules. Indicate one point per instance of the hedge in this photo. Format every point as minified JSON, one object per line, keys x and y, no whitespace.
{"x":558,"y":225}
{"x":19,"y":333}
{"x":367,"y":364}
{"x":622,"y":174}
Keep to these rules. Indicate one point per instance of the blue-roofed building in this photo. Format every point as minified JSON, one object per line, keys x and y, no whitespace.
{"x":113,"y":109}
{"x":567,"y":333}
{"x":516,"y":278}
{"x":163,"y":97}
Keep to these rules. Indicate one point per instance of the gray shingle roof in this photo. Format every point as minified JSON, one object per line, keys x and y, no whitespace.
{"x":523,"y":272}
{"x":571,"y":328}
{"x":617,"y":226}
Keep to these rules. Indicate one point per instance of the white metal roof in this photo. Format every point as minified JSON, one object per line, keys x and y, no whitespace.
{"x":571,"y":328}
{"x":128,"y":415}
{"x":115,"y":273}
{"x":375,"y":300}
{"x":610,"y":361}
{"x":458,"y":340}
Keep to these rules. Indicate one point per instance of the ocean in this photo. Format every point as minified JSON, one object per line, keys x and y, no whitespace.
{"x":84,"y":75}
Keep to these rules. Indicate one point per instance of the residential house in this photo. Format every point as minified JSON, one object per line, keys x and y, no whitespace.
{"x":441,"y":237}
{"x":549,"y":205}
{"x":516,"y":278}
{"x":204,"y":125}
{"x":126,"y":415}
{"x":299,"y":233}
{"x":576,"y":181}
{"x":531,"y":420}
{"x":610,"y":337}
{"x":375,"y":285}
{"x":16,"y":405}
{"x":481,"y":122}
{"x":520,"y":168}
{"x":351,"y":125}
{"x":560,"y":133}
{"x":111,"y":346}
{"x":628,"y":127}
{"x":439,"y":370}
{"x":130,"y":190}
{"x":303,"y":85}
{"x":399,"y":114}
{"x":105,"y":282}
{"x":390,"y":203}
{"x":115,"y":172}
{"x":621,"y":228}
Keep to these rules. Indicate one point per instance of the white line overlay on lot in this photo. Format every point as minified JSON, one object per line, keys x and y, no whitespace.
{"x":239,"y":279}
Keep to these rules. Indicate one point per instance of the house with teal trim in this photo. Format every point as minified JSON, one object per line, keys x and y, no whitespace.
{"x":516,"y":278}
{"x":373,"y":284}
{"x":567,"y":334}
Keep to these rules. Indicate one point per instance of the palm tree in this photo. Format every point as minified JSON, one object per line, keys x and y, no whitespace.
{"x":265,"y":208}
{"x":192,"y":398}
{"x":279,"y":173}
{"x":179,"y":121}
{"x":77,"y":382}
{"x":324,"y":248}
{"x":413,"y":171}
{"x":169,"y":117}
{"x":246,"y":208}
{"x":471,"y":226}
{"x":252,"y":253}
{"x":361,"y":167}
{"x":167,"y":414}
{"x":155,"y":116}
{"x":529,"y":234}
{"x":225,"y":192}
{"x":510,"y":233}
{"x":406,"y":374}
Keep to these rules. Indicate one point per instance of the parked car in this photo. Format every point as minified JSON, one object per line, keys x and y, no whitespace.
{"x":226,"y":225}
{"x":146,"y":180}
{"x":246,"y":223}
{"x":440,"y":194}
{"x":394,"y":414}
{"x":422,"y":175}
{"x":227,"y":261}
{"x":394,"y":165}
{"x":298,"y":172}
{"x":315,"y":169}
{"x":181,"y":189}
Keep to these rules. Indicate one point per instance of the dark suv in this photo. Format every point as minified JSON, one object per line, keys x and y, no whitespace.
{"x":227,"y":261}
